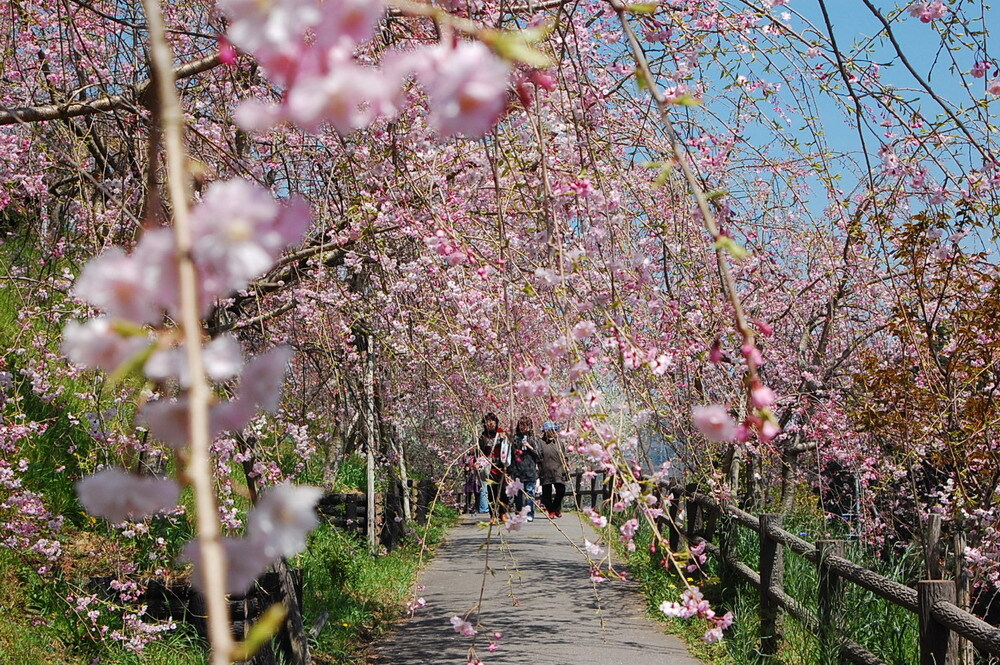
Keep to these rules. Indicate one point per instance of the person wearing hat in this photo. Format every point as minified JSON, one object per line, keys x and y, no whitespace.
{"x":552,"y":470}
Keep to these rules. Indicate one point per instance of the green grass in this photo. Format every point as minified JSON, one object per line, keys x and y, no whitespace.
{"x":888,"y":631}
{"x":363,"y":593}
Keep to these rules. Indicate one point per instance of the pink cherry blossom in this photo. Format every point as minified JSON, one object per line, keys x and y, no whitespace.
{"x":517,"y":520}
{"x":96,"y":344}
{"x":768,"y":430}
{"x":980,"y":69}
{"x":462,"y":627}
{"x":239,"y":230}
{"x":583,"y":330}
{"x":246,"y":559}
{"x":167,"y":420}
{"x":223,"y":360}
{"x":761,"y":396}
{"x":118,"y":284}
{"x":277,"y":24}
{"x":117,"y":495}
{"x":283,"y":517}
{"x":928,"y":11}
{"x":993,"y":87}
{"x":353,"y":21}
{"x":714,"y":422}
{"x":466,"y":86}
{"x":347,"y":96}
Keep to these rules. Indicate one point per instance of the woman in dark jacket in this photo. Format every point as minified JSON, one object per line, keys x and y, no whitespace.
{"x":495,"y":447}
{"x":552,"y":470}
{"x":524,"y":466}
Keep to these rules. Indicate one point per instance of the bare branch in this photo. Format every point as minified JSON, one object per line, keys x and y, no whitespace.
{"x":23,"y":114}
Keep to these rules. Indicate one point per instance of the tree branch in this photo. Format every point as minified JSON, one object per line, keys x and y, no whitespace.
{"x":23,"y":114}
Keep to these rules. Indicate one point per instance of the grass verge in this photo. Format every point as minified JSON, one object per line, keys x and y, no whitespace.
{"x":363,"y":593}
{"x":888,"y":631}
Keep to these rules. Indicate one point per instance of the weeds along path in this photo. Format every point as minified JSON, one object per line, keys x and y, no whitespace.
{"x":539,"y":597}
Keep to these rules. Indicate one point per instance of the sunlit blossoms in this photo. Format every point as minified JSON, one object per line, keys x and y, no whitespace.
{"x":276,"y":527}
{"x":714,"y":423}
{"x":693,"y":604}
{"x":928,"y":11}
{"x":283,"y":517}
{"x":466,"y":86}
{"x":117,"y":495}
{"x":309,"y":45}
{"x":239,"y":232}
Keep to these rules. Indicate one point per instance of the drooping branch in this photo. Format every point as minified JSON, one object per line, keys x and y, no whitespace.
{"x":199,"y":467}
{"x":125,"y":101}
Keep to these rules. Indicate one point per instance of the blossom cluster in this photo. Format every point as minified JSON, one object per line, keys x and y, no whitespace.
{"x":693,"y":604}
{"x":310,"y":47}
{"x":239,"y":231}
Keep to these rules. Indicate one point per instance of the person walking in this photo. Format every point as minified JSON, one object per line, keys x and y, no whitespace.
{"x":552,"y":470}
{"x":524,"y":466}
{"x":495,"y":447}
{"x":470,"y":489}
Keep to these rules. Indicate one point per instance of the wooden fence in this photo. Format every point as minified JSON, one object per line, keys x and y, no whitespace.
{"x":941,"y":622}
{"x":176,"y":599}
{"x":595,"y":487}
{"x":345,"y":511}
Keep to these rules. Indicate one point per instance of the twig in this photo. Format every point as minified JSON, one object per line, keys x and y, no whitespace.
{"x":199,"y":469}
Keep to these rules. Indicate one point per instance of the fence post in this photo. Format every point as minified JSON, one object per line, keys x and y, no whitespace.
{"x":578,"y":495}
{"x":674,"y":512}
{"x":932,"y":547}
{"x":694,"y":512}
{"x":727,"y":539}
{"x":966,"y":652}
{"x":938,"y":645}
{"x":831,"y":601}
{"x":772,"y":567}
{"x":351,"y":511}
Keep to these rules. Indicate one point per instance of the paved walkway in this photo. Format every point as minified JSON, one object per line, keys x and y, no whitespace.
{"x":539,"y":597}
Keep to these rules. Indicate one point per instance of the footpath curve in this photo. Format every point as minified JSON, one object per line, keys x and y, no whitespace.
{"x":539,"y":597}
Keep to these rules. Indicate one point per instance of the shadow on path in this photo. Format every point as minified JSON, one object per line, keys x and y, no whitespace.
{"x":537,"y":593}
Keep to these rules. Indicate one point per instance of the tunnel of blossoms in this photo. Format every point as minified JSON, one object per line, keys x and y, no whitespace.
{"x":753,"y":238}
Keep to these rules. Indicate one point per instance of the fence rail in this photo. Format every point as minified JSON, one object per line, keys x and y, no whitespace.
{"x":941,"y":621}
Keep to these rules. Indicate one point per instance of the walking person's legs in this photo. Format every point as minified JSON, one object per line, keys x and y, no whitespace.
{"x":495,"y":494}
{"x":529,"y":497}
{"x":547,"y":497}
{"x":484,"y":498}
{"x":502,"y":501}
{"x":557,"y":500}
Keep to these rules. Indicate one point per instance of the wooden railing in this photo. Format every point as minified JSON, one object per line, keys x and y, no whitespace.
{"x":941,"y":623}
{"x":599,"y":490}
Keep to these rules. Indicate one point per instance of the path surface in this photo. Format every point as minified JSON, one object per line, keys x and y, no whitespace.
{"x":556,"y":619}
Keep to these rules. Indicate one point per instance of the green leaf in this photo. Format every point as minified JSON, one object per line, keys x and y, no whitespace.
{"x":686,"y":100}
{"x":665,"y":170}
{"x":266,"y":627}
{"x":716,"y":194}
{"x":132,"y":366}
{"x":735,"y":249}
{"x":643,"y":8}
{"x":518,"y":45}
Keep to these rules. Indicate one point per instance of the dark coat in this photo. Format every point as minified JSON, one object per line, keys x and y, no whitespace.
{"x":551,"y":468}
{"x":497,"y":450}
{"x":524,"y":458}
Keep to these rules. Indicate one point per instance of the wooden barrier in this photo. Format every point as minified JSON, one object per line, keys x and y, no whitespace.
{"x":345,"y":511}
{"x":168,"y":599}
{"x":943,"y":625}
{"x":599,"y":491}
